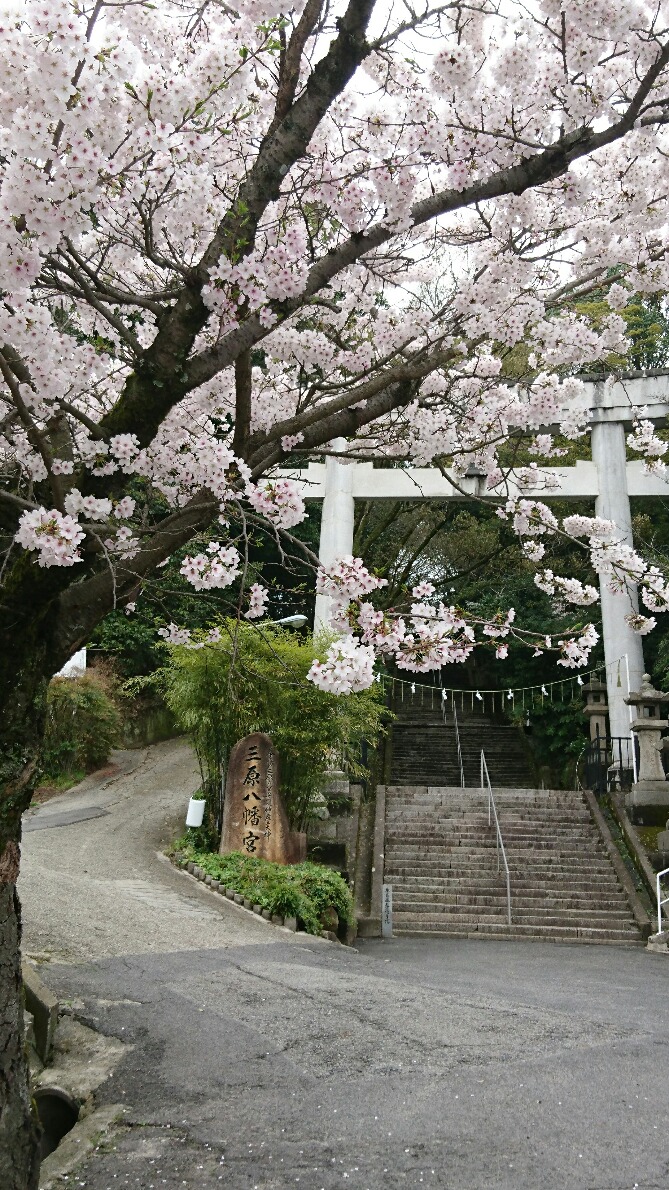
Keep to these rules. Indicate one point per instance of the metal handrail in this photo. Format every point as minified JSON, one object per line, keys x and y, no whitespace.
{"x":660,"y":902}
{"x":492,"y":812}
{"x":610,"y":762}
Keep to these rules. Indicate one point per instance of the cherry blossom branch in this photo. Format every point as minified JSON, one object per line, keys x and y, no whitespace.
{"x":291,"y":60}
{"x":35,"y":437}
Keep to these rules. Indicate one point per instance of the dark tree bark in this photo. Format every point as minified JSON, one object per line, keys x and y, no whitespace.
{"x":26,"y":656}
{"x":19,"y":1128}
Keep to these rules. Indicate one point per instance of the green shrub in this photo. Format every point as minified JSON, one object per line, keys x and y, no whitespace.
{"x":303,"y":891}
{"x":255,"y":679}
{"x":83,"y":724}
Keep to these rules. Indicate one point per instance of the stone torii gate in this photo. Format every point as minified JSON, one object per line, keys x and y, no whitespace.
{"x":608,"y":479}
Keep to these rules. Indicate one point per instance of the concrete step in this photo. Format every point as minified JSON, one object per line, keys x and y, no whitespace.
{"x":473,"y":826}
{"x":523,"y":801}
{"x":424,"y":863}
{"x":476,"y":802}
{"x":556,"y":900}
{"x":520,"y":915}
{"x":454,"y":835}
{"x":435,"y":846}
{"x":522,"y":794}
{"x":477,"y":815}
{"x":447,"y":840}
{"x":504,"y":932}
{"x":484,"y":878}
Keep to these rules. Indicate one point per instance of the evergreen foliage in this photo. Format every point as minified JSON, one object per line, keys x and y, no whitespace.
{"x":254,"y":679}
{"x":83,"y":724}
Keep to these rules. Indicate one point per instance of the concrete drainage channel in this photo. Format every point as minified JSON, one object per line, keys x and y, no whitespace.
{"x":68,"y":1061}
{"x":58,"y":1113}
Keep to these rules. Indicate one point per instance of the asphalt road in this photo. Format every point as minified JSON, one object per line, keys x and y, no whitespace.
{"x":261,"y":1059}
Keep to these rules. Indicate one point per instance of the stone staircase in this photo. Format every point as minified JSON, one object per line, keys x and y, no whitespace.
{"x":424,"y":750}
{"x":440,"y":857}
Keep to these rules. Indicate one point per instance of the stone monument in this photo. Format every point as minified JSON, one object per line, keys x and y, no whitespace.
{"x":651,"y":787}
{"x":254,"y":816}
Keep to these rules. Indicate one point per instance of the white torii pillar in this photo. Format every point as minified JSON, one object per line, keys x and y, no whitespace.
{"x":623,"y":651}
{"x":337,"y":518}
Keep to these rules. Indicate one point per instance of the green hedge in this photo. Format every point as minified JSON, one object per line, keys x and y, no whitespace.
{"x":303,"y":891}
{"x":83,"y":725}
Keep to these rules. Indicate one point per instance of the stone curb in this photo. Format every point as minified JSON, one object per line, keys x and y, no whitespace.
{"x":287,"y":923}
{"x":43,"y":1006}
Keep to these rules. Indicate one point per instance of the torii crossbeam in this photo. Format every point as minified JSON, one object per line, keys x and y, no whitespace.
{"x":608,"y":479}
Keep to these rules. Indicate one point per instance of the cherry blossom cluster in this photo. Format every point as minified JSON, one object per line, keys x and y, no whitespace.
{"x":217,"y":568}
{"x":124,"y":544}
{"x":501,"y":626}
{"x":348,"y":667}
{"x":530,"y":518}
{"x":173,"y":635}
{"x":89,"y":507}
{"x":53,"y":536}
{"x":570,"y":589}
{"x":257,"y":602}
{"x":576,"y":650}
{"x":543,"y":445}
{"x":641,"y":624}
{"x":280,"y":500}
{"x":345,"y":582}
{"x":655,"y":590}
{"x":645,"y":440}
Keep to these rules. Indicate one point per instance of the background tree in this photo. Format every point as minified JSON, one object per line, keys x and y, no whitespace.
{"x":256,"y":681}
{"x":217,"y":221}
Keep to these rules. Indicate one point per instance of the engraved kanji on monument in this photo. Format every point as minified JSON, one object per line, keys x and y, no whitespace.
{"x":254,"y":816}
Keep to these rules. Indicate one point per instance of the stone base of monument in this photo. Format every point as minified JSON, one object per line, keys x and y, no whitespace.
{"x":658,"y":943}
{"x":648,"y":793}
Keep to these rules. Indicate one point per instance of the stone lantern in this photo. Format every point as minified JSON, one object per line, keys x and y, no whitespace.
{"x":596,"y":708}
{"x":651,"y":788}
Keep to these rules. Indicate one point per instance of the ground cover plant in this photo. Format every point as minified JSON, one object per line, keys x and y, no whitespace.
{"x":222,"y":225}
{"x":304,"y":891}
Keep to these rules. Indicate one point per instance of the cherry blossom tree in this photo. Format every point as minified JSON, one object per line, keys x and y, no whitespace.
{"x":234,"y":232}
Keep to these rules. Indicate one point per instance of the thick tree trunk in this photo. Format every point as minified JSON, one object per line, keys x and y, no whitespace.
{"x":19,"y":1127}
{"x":19,"y":1130}
{"x":27,"y":660}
